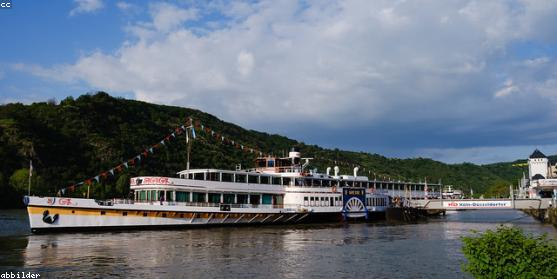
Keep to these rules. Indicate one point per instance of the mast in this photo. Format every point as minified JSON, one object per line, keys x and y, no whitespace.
{"x":30,"y":175}
{"x":188,"y":144}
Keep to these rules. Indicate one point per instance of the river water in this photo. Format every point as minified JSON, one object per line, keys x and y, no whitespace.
{"x":377,"y":250}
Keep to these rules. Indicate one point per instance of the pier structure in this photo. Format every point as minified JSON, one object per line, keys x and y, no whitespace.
{"x":467,"y":204}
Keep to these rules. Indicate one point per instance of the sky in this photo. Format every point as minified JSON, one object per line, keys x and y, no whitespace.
{"x":455,"y":80}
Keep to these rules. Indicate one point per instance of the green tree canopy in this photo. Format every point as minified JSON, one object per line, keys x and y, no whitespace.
{"x":509,"y":253}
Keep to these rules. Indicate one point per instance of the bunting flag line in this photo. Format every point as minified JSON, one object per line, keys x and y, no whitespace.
{"x":192,"y":126}
{"x":132,"y":161}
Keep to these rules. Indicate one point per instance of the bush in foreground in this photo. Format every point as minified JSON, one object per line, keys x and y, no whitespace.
{"x":508,"y":252}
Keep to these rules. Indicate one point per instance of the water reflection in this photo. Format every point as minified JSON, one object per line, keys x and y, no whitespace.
{"x":427,"y":250}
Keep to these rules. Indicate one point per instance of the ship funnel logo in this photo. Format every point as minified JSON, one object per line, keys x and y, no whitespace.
{"x":50,"y":219}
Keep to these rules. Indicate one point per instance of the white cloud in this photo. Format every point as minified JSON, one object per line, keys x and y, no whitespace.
{"x":124,"y":6}
{"x":86,"y":6}
{"x":508,"y":89}
{"x":167,"y":16}
{"x":246,"y":63}
{"x":277,"y":64}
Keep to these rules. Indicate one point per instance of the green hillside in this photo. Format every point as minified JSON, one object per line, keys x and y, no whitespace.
{"x":78,"y":139}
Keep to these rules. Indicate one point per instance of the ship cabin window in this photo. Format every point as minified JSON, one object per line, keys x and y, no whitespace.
{"x":331,"y":202}
{"x":227,"y":177}
{"x":228,"y":198}
{"x":264,"y":179}
{"x":308,"y":182}
{"x":267,"y":199}
{"x":334,"y":183}
{"x":198,"y":197}
{"x":327,"y":183}
{"x":242,"y":198}
{"x":286,"y":181}
{"x":199,"y":176}
{"x":306,"y":201}
{"x":142,"y":195}
{"x":182,"y":176}
{"x":299,"y":182}
{"x":349,"y":183}
{"x":182,"y":196}
{"x":213,"y":176}
{"x":214,"y":198}
{"x":254,"y":199}
{"x":241,"y":178}
{"x":253,"y":179}
{"x":271,"y":164}
{"x":276,"y":181}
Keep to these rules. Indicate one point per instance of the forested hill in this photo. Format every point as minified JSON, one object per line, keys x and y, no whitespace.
{"x":79,"y":138}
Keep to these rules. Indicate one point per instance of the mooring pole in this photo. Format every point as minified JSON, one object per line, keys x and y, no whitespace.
{"x":512,"y":196}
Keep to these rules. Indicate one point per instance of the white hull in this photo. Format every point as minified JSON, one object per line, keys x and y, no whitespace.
{"x":63,"y":214}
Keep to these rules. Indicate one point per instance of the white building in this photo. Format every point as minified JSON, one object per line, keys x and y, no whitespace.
{"x":542,"y":174}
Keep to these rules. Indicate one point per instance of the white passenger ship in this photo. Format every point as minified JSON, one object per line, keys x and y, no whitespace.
{"x":277,"y":191}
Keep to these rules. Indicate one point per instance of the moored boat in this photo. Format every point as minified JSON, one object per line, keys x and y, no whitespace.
{"x":276,"y":191}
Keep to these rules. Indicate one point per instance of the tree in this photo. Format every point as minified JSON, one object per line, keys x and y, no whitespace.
{"x":123,"y":185}
{"x":507,"y":253}
{"x":19,"y":181}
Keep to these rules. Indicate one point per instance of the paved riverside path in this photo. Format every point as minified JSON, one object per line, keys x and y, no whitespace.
{"x":454,"y":204}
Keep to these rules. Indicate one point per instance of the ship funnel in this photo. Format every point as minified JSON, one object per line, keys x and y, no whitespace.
{"x":336,"y":170}
{"x":294,"y":155}
{"x":356,"y":171}
{"x":328,"y":170}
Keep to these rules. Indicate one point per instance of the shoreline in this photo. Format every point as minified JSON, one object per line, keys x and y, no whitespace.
{"x":546,"y":216}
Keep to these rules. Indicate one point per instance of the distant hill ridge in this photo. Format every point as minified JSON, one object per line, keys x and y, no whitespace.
{"x":78,"y":138}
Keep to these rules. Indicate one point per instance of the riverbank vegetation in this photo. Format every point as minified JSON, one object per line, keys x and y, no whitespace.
{"x":508,"y":252}
{"x":76,"y":139}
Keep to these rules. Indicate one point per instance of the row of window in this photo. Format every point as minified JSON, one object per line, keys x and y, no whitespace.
{"x":180,"y":196}
{"x":277,"y":180}
{"x":322,"y":201}
{"x":337,"y":201}
{"x":376,"y":201}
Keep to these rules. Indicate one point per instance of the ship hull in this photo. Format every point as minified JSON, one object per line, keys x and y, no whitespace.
{"x":64,"y":214}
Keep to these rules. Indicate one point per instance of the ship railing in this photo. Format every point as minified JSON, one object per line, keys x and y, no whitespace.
{"x":198,"y":204}
{"x":122,"y":201}
{"x":203,"y":204}
{"x":114,"y":201}
{"x":256,"y":206}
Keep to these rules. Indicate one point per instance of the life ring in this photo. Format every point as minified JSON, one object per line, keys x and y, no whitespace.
{"x":334,"y":189}
{"x":49,"y":219}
